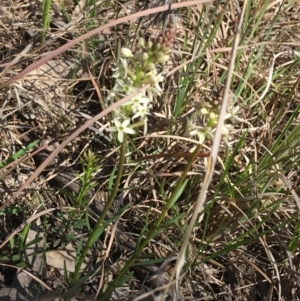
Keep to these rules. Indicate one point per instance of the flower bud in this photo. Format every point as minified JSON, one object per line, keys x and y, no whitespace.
{"x":150,"y":78}
{"x":204,"y":111}
{"x":145,"y":56}
{"x":157,"y":46}
{"x":165,"y":50}
{"x":163,"y":59}
{"x":212,"y":115}
{"x":142,"y":42}
{"x":126,"y":52}
{"x":150,"y":67}
{"x":149,"y":44}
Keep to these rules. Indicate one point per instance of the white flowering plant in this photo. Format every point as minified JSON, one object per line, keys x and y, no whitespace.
{"x":133,"y":71}
{"x":140,"y":67}
{"x":208,"y":112}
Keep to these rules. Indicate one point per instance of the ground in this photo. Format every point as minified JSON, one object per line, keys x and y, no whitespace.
{"x":93,"y":209}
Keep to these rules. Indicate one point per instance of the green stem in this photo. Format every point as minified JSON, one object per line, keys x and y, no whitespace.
{"x":153,"y":231}
{"x":95,"y":234}
{"x":45,"y":18}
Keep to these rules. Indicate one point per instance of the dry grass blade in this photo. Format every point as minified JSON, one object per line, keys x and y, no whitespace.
{"x":37,"y":279}
{"x":16,"y":59}
{"x":74,"y":134}
{"x":29,"y":220}
{"x":97,"y":31}
{"x":127,"y":209}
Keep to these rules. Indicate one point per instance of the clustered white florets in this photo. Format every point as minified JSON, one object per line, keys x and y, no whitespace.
{"x":135,"y":69}
{"x":131,"y":72}
{"x":209,"y":113}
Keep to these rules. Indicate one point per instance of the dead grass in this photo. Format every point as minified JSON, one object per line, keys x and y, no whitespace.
{"x":245,"y":246}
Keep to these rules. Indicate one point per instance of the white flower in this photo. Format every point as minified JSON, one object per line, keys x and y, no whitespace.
{"x":150,"y":95}
{"x":137,"y":101}
{"x":226,"y":132}
{"x":121,"y":128}
{"x":142,"y":111}
{"x":145,"y":125}
{"x":120,"y":69}
{"x":190,"y":125}
{"x":231,"y":114}
{"x":160,"y":77}
{"x":225,"y":129}
{"x":119,"y":112}
{"x":124,"y":86}
{"x":200,"y":133}
{"x":156,"y":89}
{"x":111,"y":98}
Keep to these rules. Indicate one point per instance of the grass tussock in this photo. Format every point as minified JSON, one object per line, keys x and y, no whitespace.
{"x":108,"y":143}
